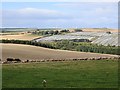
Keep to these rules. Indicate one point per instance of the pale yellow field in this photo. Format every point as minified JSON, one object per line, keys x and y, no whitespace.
{"x":19,"y":37}
{"x":95,"y":30}
{"x":25,"y":52}
{"x":99,"y":30}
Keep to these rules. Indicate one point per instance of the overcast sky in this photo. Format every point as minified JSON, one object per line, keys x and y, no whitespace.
{"x":60,"y":14}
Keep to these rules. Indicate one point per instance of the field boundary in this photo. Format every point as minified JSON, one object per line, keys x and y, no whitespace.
{"x":12,"y":61}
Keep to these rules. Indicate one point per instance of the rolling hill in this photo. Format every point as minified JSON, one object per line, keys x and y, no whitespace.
{"x":25,"y":52}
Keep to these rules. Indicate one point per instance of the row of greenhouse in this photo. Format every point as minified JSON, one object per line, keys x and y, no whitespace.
{"x":101,"y":38}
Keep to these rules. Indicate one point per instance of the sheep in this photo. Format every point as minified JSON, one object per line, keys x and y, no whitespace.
{"x":4,"y":62}
{"x":18,"y":60}
{"x":10,"y":59}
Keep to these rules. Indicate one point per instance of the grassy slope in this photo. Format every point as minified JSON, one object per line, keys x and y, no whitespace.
{"x":82,"y":74}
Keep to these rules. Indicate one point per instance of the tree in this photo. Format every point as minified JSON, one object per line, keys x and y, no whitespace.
{"x":45,"y":32}
{"x":78,"y":30}
{"x":56,"y":32}
{"x":51,"y":32}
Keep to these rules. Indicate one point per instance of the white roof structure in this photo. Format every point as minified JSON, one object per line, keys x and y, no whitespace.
{"x":100,"y":38}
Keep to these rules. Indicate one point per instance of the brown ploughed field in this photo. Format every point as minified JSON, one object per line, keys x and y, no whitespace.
{"x":27,"y":52}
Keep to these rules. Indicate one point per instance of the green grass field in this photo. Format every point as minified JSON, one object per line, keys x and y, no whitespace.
{"x":80,"y":74}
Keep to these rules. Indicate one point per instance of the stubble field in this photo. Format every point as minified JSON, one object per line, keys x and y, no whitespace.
{"x":28,"y":52}
{"x":19,"y":37}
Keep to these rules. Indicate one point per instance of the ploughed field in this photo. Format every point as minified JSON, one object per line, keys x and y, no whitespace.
{"x":82,"y":74}
{"x":27,"y":52}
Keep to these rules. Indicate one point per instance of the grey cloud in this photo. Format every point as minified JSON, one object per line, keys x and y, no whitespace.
{"x":32,"y":13}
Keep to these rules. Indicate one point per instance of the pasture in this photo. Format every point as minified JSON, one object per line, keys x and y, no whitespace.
{"x":69,"y":74}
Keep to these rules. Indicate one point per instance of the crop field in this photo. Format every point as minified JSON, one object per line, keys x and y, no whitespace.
{"x":29,"y":52}
{"x":80,"y":74}
{"x":99,"y":30}
{"x":19,"y":37}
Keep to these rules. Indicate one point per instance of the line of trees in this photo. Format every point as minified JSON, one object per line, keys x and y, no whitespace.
{"x":49,"y":32}
{"x":70,"y":45}
{"x":85,"y":47}
{"x":46,"y":32}
{"x":27,"y":43}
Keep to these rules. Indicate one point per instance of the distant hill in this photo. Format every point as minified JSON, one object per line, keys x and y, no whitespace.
{"x":86,"y":29}
{"x":16,"y":29}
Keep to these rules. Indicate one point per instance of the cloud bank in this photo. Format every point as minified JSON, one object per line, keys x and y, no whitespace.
{"x":62,"y":15}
